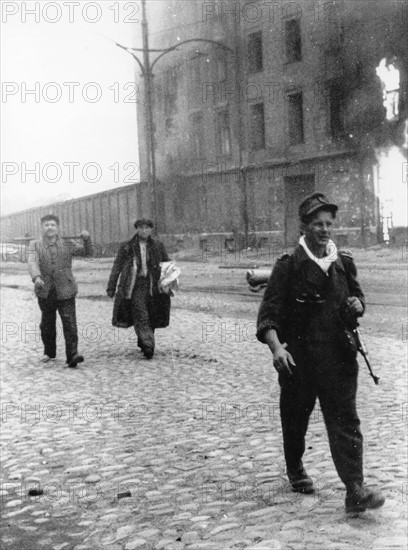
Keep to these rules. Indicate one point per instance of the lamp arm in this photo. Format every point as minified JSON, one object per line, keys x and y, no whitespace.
{"x":142,"y":68}
{"x":172,"y":48}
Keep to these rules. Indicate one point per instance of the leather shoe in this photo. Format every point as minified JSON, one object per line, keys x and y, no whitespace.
{"x":359,"y":498}
{"x":75,"y":359}
{"x":46,"y":359}
{"x":148,"y":353}
{"x":300,"y":481}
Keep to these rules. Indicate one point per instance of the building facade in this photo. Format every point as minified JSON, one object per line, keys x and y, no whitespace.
{"x":266,"y":102}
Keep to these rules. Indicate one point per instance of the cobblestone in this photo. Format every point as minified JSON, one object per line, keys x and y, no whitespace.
{"x":194,"y":435}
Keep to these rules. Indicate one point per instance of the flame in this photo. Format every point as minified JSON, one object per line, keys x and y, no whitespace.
{"x":389,"y":75}
{"x":392,"y":188}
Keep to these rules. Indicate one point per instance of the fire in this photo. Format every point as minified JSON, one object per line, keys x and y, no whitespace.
{"x":392,"y":188}
{"x":389,"y":75}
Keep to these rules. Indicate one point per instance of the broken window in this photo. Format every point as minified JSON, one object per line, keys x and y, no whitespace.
{"x":196,"y":135}
{"x":337,"y":106}
{"x":293,"y":40}
{"x":295,"y":118}
{"x":255,"y":60}
{"x":257,"y":127}
{"x":223,"y":130}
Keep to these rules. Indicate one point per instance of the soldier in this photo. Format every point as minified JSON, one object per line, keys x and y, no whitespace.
{"x":50,"y":267}
{"x":301,"y":319}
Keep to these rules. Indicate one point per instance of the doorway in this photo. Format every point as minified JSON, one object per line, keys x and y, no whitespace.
{"x":297,"y":188}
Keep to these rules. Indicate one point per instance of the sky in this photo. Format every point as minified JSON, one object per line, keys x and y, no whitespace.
{"x":76,"y":134}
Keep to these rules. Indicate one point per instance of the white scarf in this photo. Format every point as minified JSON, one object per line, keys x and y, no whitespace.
{"x":323,"y":263}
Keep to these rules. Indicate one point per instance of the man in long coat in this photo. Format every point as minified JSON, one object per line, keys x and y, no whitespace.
{"x":138,"y":301}
{"x":50,"y":268}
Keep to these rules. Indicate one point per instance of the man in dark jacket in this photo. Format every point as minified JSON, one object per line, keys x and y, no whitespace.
{"x":302,"y":319}
{"x":138,"y":301}
{"x":50,"y":267}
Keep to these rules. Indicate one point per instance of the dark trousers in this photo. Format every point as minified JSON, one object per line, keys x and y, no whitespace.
{"x":322,"y":372}
{"x":66,"y":309}
{"x":140,"y":314}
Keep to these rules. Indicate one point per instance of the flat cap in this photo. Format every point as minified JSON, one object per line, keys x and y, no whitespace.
{"x":143,"y":221}
{"x":50,"y":217}
{"x":316,"y":202}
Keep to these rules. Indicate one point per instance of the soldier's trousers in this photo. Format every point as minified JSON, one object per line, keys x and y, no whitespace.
{"x":321,"y":372}
{"x":140,"y":314}
{"x":66,"y":309}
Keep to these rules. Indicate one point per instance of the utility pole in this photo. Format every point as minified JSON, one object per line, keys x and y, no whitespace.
{"x":147,"y":73}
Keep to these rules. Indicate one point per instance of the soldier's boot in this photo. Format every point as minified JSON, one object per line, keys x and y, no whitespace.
{"x":360,"y":498}
{"x":300,"y":481}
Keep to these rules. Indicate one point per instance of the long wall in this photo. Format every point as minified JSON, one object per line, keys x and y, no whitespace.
{"x":209,"y":206}
{"x":108,"y":216}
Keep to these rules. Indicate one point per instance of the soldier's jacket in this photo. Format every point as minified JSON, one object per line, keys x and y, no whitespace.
{"x":301,"y":302}
{"x":54,"y":265}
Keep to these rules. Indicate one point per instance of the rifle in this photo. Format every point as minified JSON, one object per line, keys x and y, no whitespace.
{"x":351,"y":325}
{"x":362,"y":348}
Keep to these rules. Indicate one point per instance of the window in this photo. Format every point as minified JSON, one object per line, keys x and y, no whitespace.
{"x":197,"y":76}
{"x":255,"y":61}
{"x":178,"y":201}
{"x":257,"y":127}
{"x":336,"y":110}
{"x":170,"y":95}
{"x":168,"y":126}
{"x":223,"y":130}
{"x":196,"y":135}
{"x":221,"y":66}
{"x":178,"y":207}
{"x":293,"y":40}
{"x":295,"y":118}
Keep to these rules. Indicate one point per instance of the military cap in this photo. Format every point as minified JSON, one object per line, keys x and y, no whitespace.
{"x":50,"y":217}
{"x":315,"y":202}
{"x":143,"y":221}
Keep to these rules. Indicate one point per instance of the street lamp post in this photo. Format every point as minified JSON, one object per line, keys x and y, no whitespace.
{"x":146,"y":68}
{"x":149,"y":106}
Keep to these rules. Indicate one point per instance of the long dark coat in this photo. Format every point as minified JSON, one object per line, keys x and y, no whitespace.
{"x":158,"y":304}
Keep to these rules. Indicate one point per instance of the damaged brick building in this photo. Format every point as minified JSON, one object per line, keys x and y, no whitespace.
{"x":268,"y":102}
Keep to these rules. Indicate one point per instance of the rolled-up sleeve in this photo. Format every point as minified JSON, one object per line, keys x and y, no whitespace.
{"x":272,"y":310}
{"x":85,"y":249}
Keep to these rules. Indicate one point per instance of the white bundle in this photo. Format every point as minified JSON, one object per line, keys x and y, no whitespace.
{"x":169,"y":277}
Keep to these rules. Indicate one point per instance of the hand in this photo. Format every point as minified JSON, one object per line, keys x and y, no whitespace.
{"x":282,"y":360}
{"x":38,"y":284}
{"x":354,"y":307}
{"x":85,"y":234}
{"x":110,"y":293}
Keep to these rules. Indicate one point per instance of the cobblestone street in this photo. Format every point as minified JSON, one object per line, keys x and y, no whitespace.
{"x":183,"y":451}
